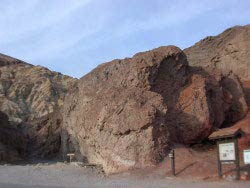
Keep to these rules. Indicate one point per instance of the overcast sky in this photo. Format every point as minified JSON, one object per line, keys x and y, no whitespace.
{"x":74,"y":36}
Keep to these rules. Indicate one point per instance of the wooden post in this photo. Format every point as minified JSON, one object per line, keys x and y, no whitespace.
{"x":71,"y":155}
{"x":237,"y":160}
{"x":219,"y":163}
{"x":227,"y":143}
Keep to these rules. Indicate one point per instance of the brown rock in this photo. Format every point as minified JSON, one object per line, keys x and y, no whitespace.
{"x":237,"y":102}
{"x":13,"y":143}
{"x":126,"y":113}
{"x":44,"y":136}
{"x":228,"y":52}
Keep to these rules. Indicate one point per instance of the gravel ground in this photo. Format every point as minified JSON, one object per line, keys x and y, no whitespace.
{"x":53,"y":175}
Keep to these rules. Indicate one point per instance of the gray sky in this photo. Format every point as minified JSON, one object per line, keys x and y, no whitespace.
{"x":74,"y":36}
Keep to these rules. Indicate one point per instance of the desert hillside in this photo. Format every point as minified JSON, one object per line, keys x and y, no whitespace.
{"x":29,"y":94}
{"x":228,"y":52}
{"x":128,"y":113}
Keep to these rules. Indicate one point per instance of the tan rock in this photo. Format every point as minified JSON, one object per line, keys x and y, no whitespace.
{"x":29,"y":92}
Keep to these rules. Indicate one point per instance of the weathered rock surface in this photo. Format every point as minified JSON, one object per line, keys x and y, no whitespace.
{"x":126,"y":113}
{"x":28,"y":92}
{"x":12,"y":142}
{"x":228,"y":52}
{"x":44,"y":136}
{"x":233,"y":90}
{"x":29,"y":95}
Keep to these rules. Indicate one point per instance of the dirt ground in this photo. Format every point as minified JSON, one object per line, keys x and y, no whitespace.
{"x":58,"y":174}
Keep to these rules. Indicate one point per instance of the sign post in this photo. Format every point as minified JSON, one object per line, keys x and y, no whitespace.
{"x":227,"y":148}
{"x":228,"y":154}
{"x":246,"y":154}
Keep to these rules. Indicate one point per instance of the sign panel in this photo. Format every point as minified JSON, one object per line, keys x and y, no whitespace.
{"x":227,"y":151}
{"x":246,"y":156}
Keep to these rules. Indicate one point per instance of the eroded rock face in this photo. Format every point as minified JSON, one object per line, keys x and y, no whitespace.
{"x":28,"y":92}
{"x":228,"y":52}
{"x":44,"y":136}
{"x":29,"y":95}
{"x":13,"y":143}
{"x":234,"y":95}
{"x":126,"y":113}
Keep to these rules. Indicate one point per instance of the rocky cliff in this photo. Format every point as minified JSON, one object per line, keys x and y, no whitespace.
{"x":127,"y":113}
{"x":228,"y":52}
{"x":28,"y":92}
{"x":29,"y":95}
{"x":13,"y":143}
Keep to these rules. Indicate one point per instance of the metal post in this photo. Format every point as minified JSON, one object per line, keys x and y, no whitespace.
{"x":171,"y":156}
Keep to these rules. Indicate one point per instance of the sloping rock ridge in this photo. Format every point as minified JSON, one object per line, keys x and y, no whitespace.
{"x":228,"y":52}
{"x":28,"y":92}
{"x":30,"y":97}
{"x":127,"y":113}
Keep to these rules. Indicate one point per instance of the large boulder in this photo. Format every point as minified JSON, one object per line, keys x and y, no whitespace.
{"x":127,"y":113}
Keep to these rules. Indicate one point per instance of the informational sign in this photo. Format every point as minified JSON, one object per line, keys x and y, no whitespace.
{"x":227,"y":151}
{"x":246,"y":154}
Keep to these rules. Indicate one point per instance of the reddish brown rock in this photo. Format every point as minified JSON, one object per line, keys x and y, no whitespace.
{"x":246,"y":86}
{"x":228,"y":52}
{"x":126,"y":113}
{"x":238,"y":105}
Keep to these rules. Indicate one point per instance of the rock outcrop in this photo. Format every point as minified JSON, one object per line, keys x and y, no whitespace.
{"x":29,"y":95}
{"x":13,"y":143}
{"x":127,"y":113}
{"x":228,"y":52}
{"x":44,"y":136}
{"x":28,"y":92}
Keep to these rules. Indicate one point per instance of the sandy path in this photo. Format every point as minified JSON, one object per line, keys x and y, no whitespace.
{"x":71,"y":176}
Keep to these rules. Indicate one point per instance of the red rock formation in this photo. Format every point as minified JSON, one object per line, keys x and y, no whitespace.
{"x":228,"y":52}
{"x":126,"y":113}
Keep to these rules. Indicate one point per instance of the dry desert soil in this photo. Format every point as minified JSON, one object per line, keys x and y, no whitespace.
{"x":58,"y":174}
